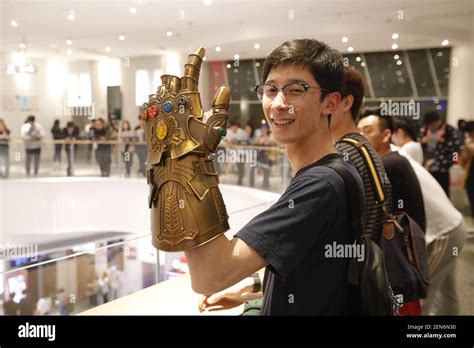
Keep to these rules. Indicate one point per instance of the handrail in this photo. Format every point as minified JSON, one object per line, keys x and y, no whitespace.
{"x":121,"y":142}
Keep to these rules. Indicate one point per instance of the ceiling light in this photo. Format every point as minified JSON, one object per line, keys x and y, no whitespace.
{"x":132,"y":10}
{"x":69,"y":52}
{"x":358,"y":59}
{"x":71,"y":15}
{"x":22,"y":45}
{"x":228,"y":66}
{"x":207,"y":2}
{"x":394,"y":46}
{"x":344,"y":39}
{"x":396,"y":57}
{"x":445,"y":43}
{"x":169,"y":33}
{"x":108,"y":49}
{"x":218,"y":49}
{"x":14,"y":23}
{"x":256,"y":46}
{"x":204,"y":59}
{"x":350,"y":49}
{"x":395,"y":36}
{"x":69,"y":42}
{"x":362,"y":64}
{"x":399,"y":62}
{"x":121,"y":37}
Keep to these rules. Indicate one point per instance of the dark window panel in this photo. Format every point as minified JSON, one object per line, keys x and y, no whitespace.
{"x":421,"y":73}
{"x":441,"y":60}
{"x":388,"y":74}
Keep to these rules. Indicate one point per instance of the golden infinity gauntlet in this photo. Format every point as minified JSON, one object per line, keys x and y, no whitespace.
{"x":187,"y":209}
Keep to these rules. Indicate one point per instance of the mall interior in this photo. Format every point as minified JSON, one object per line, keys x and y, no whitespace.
{"x":75,"y":234}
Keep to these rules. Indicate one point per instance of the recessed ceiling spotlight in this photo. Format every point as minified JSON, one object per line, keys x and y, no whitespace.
{"x":256,"y":46}
{"x":132,"y":10}
{"x":350,"y":49}
{"x":169,"y":33}
{"x":121,"y":37}
{"x":207,"y":2}
{"x":14,"y":23}
{"x":395,"y":36}
{"x":108,"y":49}
{"x":344,"y":39}
{"x":218,"y":49}
{"x":394,"y":46}
{"x":69,"y":42}
{"x":445,"y":43}
{"x":71,"y":15}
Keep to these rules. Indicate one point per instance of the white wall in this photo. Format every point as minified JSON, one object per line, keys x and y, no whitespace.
{"x":47,"y":87}
{"x":461,"y":82}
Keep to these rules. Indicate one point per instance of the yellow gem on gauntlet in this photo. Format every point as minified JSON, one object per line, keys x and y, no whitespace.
{"x":187,"y":209}
{"x":161,"y":130}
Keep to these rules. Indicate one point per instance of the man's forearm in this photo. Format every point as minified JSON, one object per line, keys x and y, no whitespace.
{"x":221,"y":263}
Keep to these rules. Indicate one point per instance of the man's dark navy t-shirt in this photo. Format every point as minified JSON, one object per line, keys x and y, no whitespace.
{"x":291,"y":236}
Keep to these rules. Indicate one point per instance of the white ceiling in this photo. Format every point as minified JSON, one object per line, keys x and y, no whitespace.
{"x":235,"y":25}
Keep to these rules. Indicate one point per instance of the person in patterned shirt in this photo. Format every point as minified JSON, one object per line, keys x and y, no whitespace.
{"x":441,"y":145}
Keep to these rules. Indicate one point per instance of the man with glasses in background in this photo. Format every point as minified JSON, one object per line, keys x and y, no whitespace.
{"x":303,"y":80}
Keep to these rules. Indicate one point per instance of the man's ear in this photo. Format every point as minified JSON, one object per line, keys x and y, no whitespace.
{"x":331,"y":104}
{"x":347,"y":102}
{"x":387,"y":135}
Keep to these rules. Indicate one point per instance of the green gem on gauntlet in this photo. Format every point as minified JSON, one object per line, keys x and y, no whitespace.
{"x":187,"y":209}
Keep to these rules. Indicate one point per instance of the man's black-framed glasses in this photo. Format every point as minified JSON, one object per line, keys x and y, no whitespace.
{"x":293,"y":92}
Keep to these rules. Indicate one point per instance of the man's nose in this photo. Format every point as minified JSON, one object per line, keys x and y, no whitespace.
{"x":279,"y":102}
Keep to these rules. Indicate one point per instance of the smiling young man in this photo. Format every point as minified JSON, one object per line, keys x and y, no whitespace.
{"x":303,"y":79}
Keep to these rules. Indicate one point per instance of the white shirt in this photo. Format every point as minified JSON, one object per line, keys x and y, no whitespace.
{"x":441,"y":215}
{"x":25,"y":128}
{"x":415,"y":150}
{"x":44,"y":305}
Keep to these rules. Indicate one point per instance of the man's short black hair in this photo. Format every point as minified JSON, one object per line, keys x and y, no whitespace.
{"x":406,"y":127}
{"x":385,"y":122}
{"x":325,"y":63}
{"x":431,"y":117}
{"x":354,"y":85}
{"x":30,"y":118}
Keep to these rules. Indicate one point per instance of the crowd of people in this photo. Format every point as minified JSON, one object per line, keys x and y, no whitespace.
{"x":48,"y":304}
{"x":100,"y":134}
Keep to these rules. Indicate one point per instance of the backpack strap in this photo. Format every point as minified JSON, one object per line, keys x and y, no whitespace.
{"x":369,"y":162}
{"x":355,"y":206}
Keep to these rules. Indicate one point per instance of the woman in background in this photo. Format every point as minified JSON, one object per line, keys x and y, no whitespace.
{"x":4,"y":155}
{"x":57,"y":135}
{"x":127,"y":135}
